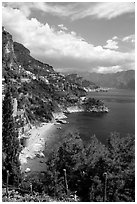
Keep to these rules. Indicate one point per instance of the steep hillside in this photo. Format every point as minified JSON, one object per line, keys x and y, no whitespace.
{"x":32,"y":92}
{"x":88,"y":85}
{"x":29,"y":63}
{"x":38,"y":90}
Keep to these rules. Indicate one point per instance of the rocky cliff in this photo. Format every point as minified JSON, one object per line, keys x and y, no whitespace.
{"x":38,"y":89}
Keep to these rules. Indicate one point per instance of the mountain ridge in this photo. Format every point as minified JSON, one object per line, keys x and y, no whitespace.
{"x":123,"y":79}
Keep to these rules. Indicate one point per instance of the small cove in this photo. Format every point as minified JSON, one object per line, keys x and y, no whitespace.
{"x":121,"y":118}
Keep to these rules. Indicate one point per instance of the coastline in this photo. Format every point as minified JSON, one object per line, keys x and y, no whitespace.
{"x":38,"y":136}
{"x":35,"y":144}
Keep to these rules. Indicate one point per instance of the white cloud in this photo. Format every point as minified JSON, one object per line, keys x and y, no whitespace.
{"x":25,"y":7}
{"x":106,"y":10}
{"x":115,"y":38}
{"x":111,"y":10}
{"x":111,"y":44}
{"x":112,"y":69}
{"x":58,"y":10}
{"x":75,"y":10}
{"x":61,"y":47}
{"x":130,"y":38}
{"x":62,"y":27}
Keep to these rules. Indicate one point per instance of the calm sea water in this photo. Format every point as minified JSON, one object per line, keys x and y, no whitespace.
{"x":121,"y":117}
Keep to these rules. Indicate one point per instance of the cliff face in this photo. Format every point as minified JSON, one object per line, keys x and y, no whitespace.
{"x":38,"y":89}
{"x":9,"y":61}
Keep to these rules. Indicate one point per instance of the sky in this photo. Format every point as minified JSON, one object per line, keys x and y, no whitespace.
{"x":75,"y":36}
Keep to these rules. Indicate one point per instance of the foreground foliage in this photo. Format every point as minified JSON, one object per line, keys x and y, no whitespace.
{"x":94,"y":172}
{"x":86,"y":165}
{"x":16,"y":196}
{"x":10,"y":142}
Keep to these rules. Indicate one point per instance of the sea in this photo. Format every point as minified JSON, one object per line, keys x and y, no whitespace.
{"x":120,"y":118}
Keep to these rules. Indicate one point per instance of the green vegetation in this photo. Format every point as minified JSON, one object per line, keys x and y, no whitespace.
{"x":10,"y":142}
{"x":94,"y":172}
{"x":86,"y":165}
{"x":92,"y":102}
{"x":41,"y":90}
{"x":81,"y":81}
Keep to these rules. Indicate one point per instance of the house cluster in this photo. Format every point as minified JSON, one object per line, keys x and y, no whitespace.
{"x":26,"y":76}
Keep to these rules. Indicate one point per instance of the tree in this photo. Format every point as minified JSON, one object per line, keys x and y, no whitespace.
{"x":86,"y":167}
{"x":69,"y":155}
{"x":10,"y":142}
{"x":121,"y":168}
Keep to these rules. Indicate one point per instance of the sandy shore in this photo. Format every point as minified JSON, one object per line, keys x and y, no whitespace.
{"x":35,"y":145}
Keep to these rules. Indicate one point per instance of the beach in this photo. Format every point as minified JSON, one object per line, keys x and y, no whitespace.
{"x":35,"y":145}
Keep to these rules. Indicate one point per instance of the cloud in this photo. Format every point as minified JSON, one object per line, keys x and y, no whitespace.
{"x":27,"y":7}
{"x":115,"y":38}
{"x":24,"y":7}
{"x":62,"y":27}
{"x":77,"y":10}
{"x":111,"y":10}
{"x":112,"y":69}
{"x":130,"y":38}
{"x":111,"y":44}
{"x":61,"y":48}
